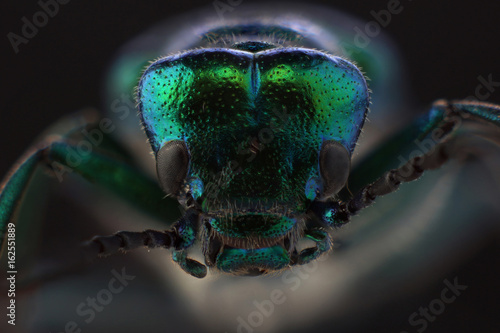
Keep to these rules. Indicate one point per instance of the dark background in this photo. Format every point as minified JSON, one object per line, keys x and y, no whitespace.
{"x":445,"y":46}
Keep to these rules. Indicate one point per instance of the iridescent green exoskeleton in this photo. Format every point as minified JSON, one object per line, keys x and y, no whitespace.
{"x":253,"y":129}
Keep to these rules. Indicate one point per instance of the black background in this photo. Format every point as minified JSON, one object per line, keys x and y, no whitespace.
{"x":445,"y":46}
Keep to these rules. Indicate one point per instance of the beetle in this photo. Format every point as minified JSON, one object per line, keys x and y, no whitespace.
{"x":255,"y":146}
{"x":253,"y":129}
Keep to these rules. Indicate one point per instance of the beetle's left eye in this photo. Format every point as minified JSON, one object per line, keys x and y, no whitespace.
{"x":172,"y":164}
{"x":334,"y":167}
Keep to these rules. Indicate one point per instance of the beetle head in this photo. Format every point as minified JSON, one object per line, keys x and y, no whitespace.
{"x":252,"y":135}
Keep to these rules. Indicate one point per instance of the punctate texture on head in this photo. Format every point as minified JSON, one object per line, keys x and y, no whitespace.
{"x":227,"y":104}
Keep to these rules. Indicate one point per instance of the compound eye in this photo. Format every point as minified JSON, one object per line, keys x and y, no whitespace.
{"x":334,"y":167}
{"x":172,"y":164}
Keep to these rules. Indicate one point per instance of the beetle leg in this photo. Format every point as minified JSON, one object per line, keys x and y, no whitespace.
{"x":116,"y":175}
{"x":421,"y":136}
{"x":323,"y":244}
{"x":443,"y":121}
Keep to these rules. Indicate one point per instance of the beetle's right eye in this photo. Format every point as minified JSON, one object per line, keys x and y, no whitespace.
{"x":172,"y":164}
